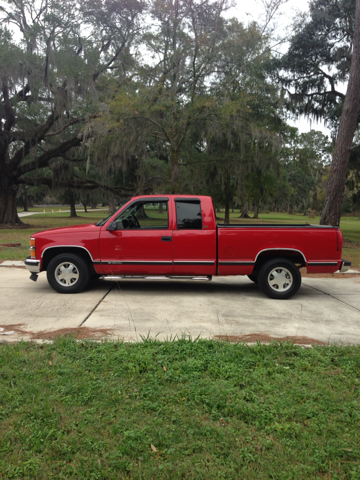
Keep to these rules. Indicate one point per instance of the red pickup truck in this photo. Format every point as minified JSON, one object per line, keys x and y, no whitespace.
{"x":177,"y":236}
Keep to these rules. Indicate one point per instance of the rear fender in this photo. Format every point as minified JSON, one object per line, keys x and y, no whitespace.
{"x":293,"y":255}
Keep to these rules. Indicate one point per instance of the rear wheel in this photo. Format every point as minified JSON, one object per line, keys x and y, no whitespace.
{"x":279,"y":278}
{"x":68,"y":273}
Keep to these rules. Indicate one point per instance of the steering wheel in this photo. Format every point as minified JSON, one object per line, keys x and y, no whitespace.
{"x":134,"y":223}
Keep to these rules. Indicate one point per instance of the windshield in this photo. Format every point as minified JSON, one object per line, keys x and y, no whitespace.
{"x":128,"y":212}
{"x":103,"y":221}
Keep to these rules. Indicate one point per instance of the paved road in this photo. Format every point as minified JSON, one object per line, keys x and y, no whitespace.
{"x":56,"y":210}
{"x":327,"y":310}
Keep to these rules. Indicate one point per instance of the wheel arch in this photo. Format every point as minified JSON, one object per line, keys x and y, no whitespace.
{"x":50,"y":252}
{"x":291,"y":254}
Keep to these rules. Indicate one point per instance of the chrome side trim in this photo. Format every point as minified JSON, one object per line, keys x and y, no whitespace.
{"x":136,"y":262}
{"x":64,"y":246}
{"x":283,"y":248}
{"x":193,"y":262}
{"x":243,"y":263}
{"x":322,"y":264}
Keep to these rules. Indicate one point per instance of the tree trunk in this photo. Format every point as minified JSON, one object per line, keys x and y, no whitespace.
{"x":245,"y":210}
{"x":305,"y":207}
{"x":25,"y":202}
{"x":85,"y":207}
{"x":227,"y":212}
{"x":141,"y":214}
{"x":72,"y":206}
{"x":348,"y":121}
{"x":112,"y":205}
{"x":93,"y":205}
{"x":175,"y":171}
{"x":256,"y":210}
{"x":8,"y":210}
{"x":227,"y":199}
{"x":315,"y":201}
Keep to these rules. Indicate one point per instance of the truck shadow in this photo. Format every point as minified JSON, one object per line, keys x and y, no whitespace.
{"x":178,"y":286}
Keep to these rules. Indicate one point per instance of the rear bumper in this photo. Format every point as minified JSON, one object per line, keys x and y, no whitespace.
{"x":32,"y":265}
{"x":345,"y":265}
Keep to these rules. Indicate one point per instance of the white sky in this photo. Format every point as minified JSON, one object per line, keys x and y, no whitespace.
{"x":248,"y":10}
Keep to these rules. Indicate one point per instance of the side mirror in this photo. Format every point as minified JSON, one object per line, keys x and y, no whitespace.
{"x":111,"y":227}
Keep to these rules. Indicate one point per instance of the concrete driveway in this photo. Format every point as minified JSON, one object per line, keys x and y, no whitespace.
{"x":325,"y":309}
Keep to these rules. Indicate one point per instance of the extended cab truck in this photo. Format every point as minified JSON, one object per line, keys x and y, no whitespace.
{"x":177,"y":236}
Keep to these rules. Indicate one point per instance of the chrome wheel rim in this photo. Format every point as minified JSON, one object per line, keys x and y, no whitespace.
{"x":280,"y":279}
{"x":67,"y":274}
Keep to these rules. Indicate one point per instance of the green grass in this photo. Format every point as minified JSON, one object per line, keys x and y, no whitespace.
{"x":40,"y":222}
{"x":211,"y":410}
{"x":350,"y":227}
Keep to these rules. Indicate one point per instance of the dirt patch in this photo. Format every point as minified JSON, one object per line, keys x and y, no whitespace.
{"x":16,"y":327}
{"x":80,"y":333}
{"x":351,"y":244}
{"x":264,"y":338}
{"x":12,"y":245}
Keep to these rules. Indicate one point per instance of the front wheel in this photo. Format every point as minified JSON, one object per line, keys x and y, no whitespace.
{"x":279,"y":278}
{"x":68,"y":273}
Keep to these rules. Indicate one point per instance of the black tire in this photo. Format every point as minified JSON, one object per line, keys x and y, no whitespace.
{"x":68,"y":273}
{"x":279,"y":278}
{"x":253,"y":277}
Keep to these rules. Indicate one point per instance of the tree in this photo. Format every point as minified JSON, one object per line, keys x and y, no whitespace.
{"x":304,"y":158}
{"x":50,"y":83}
{"x":246,"y":131}
{"x":318,"y":60}
{"x":348,"y":122}
{"x":323,"y":53}
{"x":169,"y":94}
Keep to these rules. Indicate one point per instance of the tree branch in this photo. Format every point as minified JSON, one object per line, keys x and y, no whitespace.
{"x":77,"y":184}
{"x":35,"y":139}
{"x":76,"y":120}
{"x":43,"y":160}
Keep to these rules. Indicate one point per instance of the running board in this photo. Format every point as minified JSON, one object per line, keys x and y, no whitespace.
{"x":115,"y":278}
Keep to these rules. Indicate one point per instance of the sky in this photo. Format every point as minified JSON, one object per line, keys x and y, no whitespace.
{"x":248,"y":10}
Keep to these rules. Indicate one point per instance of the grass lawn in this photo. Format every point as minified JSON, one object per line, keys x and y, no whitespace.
{"x":350,"y":227}
{"x":186,"y":409}
{"x":40,"y":222}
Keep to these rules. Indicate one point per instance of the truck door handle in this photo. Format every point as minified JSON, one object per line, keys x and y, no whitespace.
{"x":166,"y":239}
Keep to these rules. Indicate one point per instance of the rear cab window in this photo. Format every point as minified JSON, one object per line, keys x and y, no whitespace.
{"x":188,"y":214}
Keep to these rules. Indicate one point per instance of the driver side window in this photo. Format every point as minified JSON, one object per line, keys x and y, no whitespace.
{"x":144,"y":215}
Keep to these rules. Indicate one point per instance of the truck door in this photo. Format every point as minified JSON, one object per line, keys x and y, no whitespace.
{"x":140,"y":242}
{"x":194,"y":243}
